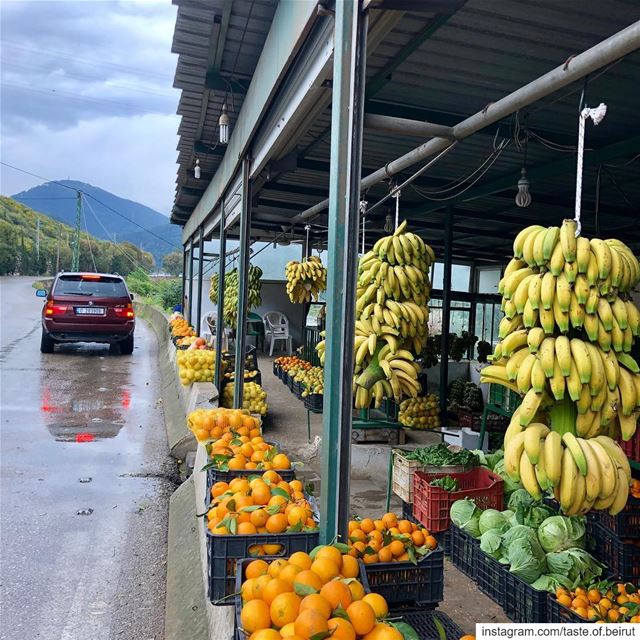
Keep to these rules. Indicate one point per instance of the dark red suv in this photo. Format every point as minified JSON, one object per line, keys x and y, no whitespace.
{"x":87,"y":307}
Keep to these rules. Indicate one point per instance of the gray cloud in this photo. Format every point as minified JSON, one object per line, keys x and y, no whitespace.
{"x":96,"y":70}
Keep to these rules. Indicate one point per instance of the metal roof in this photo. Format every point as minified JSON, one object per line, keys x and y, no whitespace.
{"x":443,"y":68}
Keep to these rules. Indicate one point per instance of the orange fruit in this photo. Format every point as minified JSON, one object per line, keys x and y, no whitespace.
{"x":255,"y":615}
{"x":300,"y":559}
{"x":272,"y":476}
{"x":284,"y":608}
{"x":238,"y":484}
{"x":309,"y":623}
{"x":350,"y":567}
{"x":308,"y":578}
{"x":358,"y":535}
{"x":296,"y":485}
{"x":280,"y":461}
{"x":247,"y":589}
{"x":370,"y":558}
{"x":318,"y":603}
{"x":330,"y":553}
{"x":353,"y":525}
{"x":564,"y":600}
{"x":418,"y":538}
{"x":594,"y":595}
{"x":297,"y":514}
{"x":378,"y":604}
{"x":325,"y":569}
{"x":357,"y":590}
{"x":246,"y":528}
{"x":259,"y":585}
{"x":218,"y":489}
{"x":396,"y":547}
{"x":260,"y":492}
{"x":270,"y":549}
{"x":259,"y":517}
{"x":274,"y":588}
{"x":362,"y":617}
{"x":379,"y":525}
{"x":341,"y":629}
{"x":288,"y":631}
{"x":384,"y":631}
{"x":256,"y":568}
{"x":613,"y":615}
{"x":277,"y":523}
{"x":276,"y":566}
{"x":337,"y":593}
{"x":579,"y":601}
{"x":430,"y":542}
{"x":390,"y":520}
{"x":237,"y":462}
{"x":289,"y":573}
{"x":265,"y":634}
{"x":405,"y":526}
{"x":281,"y":501}
{"x":367,"y":525}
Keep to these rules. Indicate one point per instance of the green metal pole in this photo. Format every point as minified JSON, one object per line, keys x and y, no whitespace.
{"x":349,"y":66}
{"x":243,"y":290}
{"x":75,"y":261}
{"x":446,"y":313}
{"x":219,"y":315}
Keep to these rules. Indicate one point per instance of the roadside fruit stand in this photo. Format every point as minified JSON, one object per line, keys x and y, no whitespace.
{"x":460,"y":215}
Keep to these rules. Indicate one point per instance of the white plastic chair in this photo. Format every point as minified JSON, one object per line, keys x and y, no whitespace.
{"x":208,"y":326}
{"x":276,"y":327}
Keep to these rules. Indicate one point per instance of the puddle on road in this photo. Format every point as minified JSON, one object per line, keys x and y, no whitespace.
{"x":64,"y":432}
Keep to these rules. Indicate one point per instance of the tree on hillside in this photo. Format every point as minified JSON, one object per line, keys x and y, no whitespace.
{"x":172,"y":263}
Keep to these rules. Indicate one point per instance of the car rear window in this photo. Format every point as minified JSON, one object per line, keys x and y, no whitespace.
{"x":106,"y":286}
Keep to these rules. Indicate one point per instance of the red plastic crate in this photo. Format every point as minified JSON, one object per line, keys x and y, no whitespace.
{"x":431,"y":504}
{"x":632,"y":447}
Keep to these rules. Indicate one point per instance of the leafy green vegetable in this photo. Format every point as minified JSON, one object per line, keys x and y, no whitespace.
{"x":466,"y":515}
{"x":536,"y":515}
{"x":526,"y":556}
{"x":492,"y":519}
{"x":491,"y":543}
{"x":520,"y":498}
{"x":551,"y":582}
{"x":447,"y":483}
{"x":440,"y":455}
{"x":509,"y":485}
{"x":558,"y":533}
{"x":529,"y":511}
{"x":577,"y":564}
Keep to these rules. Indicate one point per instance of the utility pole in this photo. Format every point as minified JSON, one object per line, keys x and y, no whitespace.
{"x":38,"y":243}
{"x":75,"y":261}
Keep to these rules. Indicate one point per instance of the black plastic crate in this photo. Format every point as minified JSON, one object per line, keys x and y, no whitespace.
{"x":522,"y":603}
{"x":464,"y":551}
{"x":224,"y":551}
{"x":444,"y":540}
{"x":297,"y":389}
{"x":559,"y":613}
{"x":425,"y":627}
{"x":314,"y":402}
{"x":276,"y":370}
{"x":491,"y":577}
{"x":622,"y":559}
{"x":403,"y":583}
{"x":626,"y":524}
{"x":407,"y":512}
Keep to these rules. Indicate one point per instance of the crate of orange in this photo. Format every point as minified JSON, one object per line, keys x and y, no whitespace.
{"x":255,"y":516}
{"x":322,"y":594}
{"x":233,"y":455}
{"x":210,"y":425}
{"x":604,"y":602}
{"x":431,"y":505}
{"x":402,"y":560}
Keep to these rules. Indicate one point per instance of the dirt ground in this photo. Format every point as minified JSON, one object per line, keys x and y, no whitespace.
{"x":286,"y":423}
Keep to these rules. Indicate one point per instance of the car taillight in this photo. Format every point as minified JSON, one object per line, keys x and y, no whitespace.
{"x":53,"y":309}
{"x":125,"y":312}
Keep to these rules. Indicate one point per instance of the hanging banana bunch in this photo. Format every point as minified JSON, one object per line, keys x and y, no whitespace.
{"x":213,"y":289}
{"x":306,"y":279}
{"x":231,"y":284}
{"x":568,"y":329}
{"x":391,"y":318}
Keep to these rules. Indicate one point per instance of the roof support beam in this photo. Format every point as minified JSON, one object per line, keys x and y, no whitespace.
{"x":605,"y":52}
{"x":401,"y":126}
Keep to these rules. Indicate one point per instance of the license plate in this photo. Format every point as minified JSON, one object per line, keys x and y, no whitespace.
{"x":90,"y":311}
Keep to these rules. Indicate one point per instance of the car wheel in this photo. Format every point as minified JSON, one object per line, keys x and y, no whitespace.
{"x":46,"y":343}
{"x":126,"y":346}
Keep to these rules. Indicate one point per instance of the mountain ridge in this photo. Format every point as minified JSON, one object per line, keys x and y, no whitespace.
{"x":105,"y":215}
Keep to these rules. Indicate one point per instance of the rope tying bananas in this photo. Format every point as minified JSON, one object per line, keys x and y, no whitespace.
{"x":306,"y":279}
{"x":392,"y":315}
{"x":231,"y":283}
{"x":568,"y":329}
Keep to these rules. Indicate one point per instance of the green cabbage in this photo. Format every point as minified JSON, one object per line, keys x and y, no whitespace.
{"x":466,"y":515}
{"x":551,"y":582}
{"x":536,"y":515}
{"x":558,"y":533}
{"x":523,"y":551}
{"x":491,"y":543}
{"x":520,"y":499}
{"x":578,"y":565}
{"x":492,"y":519}
{"x":517,"y":532}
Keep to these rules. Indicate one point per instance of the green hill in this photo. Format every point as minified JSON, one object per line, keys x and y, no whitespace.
{"x":19,"y":252}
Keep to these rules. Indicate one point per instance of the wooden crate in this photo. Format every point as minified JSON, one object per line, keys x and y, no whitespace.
{"x":402,"y":475}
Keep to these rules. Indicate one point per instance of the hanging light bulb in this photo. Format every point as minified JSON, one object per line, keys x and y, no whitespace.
{"x":388,"y":223}
{"x":196,"y":170}
{"x":223,"y":123}
{"x":523,"y":197}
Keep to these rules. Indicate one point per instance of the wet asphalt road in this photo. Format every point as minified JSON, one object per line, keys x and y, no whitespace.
{"x":81,"y":429}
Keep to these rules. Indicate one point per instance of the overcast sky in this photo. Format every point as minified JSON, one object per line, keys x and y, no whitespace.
{"x":87,"y":94}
